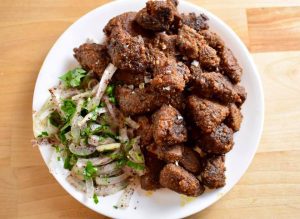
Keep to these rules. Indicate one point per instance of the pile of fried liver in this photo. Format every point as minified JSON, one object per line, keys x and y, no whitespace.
{"x":180,"y":82}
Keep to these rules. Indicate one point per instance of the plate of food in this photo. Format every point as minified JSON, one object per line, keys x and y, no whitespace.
{"x":148,"y":109}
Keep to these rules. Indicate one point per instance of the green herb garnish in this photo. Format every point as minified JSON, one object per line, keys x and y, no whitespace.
{"x":69,"y":108}
{"x":134,"y":165}
{"x":110,"y":90}
{"x":115,"y":207}
{"x":73,"y":77}
{"x":112,"y":100}
{"x":70,"y":161}
{"x":95,"y":197}
{"x":43,"y":134}
{"x":89,"y":171}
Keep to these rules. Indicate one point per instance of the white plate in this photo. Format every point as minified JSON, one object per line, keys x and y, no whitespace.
{"x":163,"y":203}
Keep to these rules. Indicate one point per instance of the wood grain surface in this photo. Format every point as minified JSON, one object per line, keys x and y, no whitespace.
{"x":270,"y":29}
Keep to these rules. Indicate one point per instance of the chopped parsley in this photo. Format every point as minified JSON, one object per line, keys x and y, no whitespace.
{"x":73,"y":77}
{"x":57,"y":148}
{"x":136,"y":166}
{"x":58,"y":158}
{"x":70,"y":161}
{"x":110,"y":90}
{"x":43,"y":134}
{"x":115,"y":207}
{"x":112,"y":100}
{"x":89,"y":171}
{"x":96,"y":200}
{"x":69,"y":108}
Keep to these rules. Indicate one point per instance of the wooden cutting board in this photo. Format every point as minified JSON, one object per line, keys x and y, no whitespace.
{"x":271,"y":30}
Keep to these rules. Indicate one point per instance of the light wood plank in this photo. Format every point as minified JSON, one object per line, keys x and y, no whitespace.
{"x":274,"y":29}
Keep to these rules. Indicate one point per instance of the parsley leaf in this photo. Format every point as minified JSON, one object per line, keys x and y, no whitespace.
{"x":112,"y":100}
{"x":70,"y":161}
{"x":134,"y":165}
{"x":89,"y":171}
{"x":43,"y":134}
{"x":110,"y":90}
{"x":73,"y":77}
{"x":69,"y":108}
{"x":95,"y":197}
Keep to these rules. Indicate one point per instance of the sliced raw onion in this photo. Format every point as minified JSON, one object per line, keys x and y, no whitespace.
{"x":108,"y":147}
{"x":89,"y":188}
{"x":40,"y":122}
{"x":111,"y":189}
{"x":104,"y":181}
{"x":126,"y":195}
{"x":108,"y":169}
{"x":107,"y":75}
{"x":55,"y":99}
{"x":123,"y":135}
{"x":94,"y":126}
{"x":90,"y":115}
{"x":96,"y":140}
{"x":86,"y":94}
{"x":77,"y":172}
{"x":136,"y":156}
{"x":132,"y":123}
{"x":97,"y":161}
{"x":78,"y":184}
{"x":81,"y":150}
{"x":75,"y":129}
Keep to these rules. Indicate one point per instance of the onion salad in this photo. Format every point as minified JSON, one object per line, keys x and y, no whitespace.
{"x":81,"y":121}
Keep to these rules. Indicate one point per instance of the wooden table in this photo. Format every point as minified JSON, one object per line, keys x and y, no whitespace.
{"x":271,"y":186}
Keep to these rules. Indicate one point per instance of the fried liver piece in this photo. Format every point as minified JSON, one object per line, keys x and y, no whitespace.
{"x":137,"y":101}
{"x":173,"y":153}
{"x":190,"y":160}
{"x":234,"y":118}
{"x":220,"y":141}
{"x":215,"y":85}
{"x":184,"y":155}
{"x":206,"y":114}
{"x":127,"y":77}
{"x":213,"y":39}
{"x":150,"y":181}
{"x":145,"y":130}
{"x":194,"y":46}
{"x":230,"y":66}
{"x":169,"y":153}
{"x":165,"y":43}
{"x":213,"y":173}
{"x":92,"y":57}
{"x":127,"y":52}
{"x":196,"y":22}
{"x":170,"y":78}
{"x":168,"y":126}
{"x":158,"y":15}
{"x":196,"y":70}
{"x":125,"y":21}
{"x":179,"y":180}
